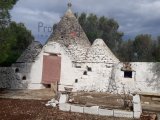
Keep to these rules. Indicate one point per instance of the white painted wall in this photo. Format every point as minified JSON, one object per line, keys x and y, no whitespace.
{"x":139,"y":83}
{"x":67,"y":71}
{"x":95,"y":80}
{"x":36,"y":73}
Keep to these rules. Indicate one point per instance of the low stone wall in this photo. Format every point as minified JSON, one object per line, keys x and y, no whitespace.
{"x":95,"y":110}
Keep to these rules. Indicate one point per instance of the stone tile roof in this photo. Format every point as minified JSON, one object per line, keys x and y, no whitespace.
{"x":30,"y":54}
{"x":78,"y":53}
{"x":99,"y":52}
{"x":69,"y":32}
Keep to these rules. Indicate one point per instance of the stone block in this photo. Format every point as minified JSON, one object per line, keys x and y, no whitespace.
{"x":137,"y":115}
{"x":120,"y":113}
{"x":136,"y":99}
{"x":92,"y":110}
{"x":65,"y":107}
{"x":78,"y":109}
{"x":137,"y":104}
{"x":105,"y":112}
{"x":63,"y":98}
{"x":137,"y":107}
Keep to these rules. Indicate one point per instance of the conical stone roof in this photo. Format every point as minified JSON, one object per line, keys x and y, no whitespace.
{"x":30,"y":54}
{"x":69,"y":32}
{"x":99,"y":52}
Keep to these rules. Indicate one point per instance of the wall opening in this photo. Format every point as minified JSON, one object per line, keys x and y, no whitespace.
{"x":76,"y":80}
{"x":127,"y":74}
{"x":85,"y":73}
{"x":16,"y":70}
{"x":47,"y":85}
{"x":77,"y":65}
{"x":24,"y":78}
{"x":89,"y":69}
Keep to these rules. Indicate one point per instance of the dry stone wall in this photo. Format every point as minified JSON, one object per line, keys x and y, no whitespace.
{"x":11,"y":80}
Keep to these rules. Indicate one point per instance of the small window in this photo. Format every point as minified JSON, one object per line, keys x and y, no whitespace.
{"x":47,"y":85}
{"x":16,"y":70}
{"x":53,"y":54}
{"x":107,"y":66}
{"x":24,"y":78}
{"x":85,"y":73}
{"x":127,"y":74}
{"x":76,"y":80}
{"x":89,"y":68}
{"x":77,"y":65}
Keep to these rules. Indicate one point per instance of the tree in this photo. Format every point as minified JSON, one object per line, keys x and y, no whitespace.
{"x":5,"y":6}
{"x":17,"y":39}
{"x":142,"y":46}
{"x":126,"y":52}
{"x":157,"y":49}
{"x":14,"y":38}
{"x":101,"y":27}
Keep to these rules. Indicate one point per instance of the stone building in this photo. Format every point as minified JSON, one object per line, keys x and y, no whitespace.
{"x":68,"y":60}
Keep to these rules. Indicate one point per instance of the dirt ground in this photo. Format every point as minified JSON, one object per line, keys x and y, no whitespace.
{"x":104,"y":100}
{"x":12,"y":109}
{"x":43,"y":94}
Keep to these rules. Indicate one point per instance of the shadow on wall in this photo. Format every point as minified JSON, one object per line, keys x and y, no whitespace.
{"x":155,"y":81}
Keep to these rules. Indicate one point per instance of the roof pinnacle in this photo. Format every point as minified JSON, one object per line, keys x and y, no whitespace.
{"x":69,"y":4}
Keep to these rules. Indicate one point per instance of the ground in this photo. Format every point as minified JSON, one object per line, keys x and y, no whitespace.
{"x":44,"y":94}
{"x":30,"y":105}
{"x":16,"y":109}
{"x":104,"y":100}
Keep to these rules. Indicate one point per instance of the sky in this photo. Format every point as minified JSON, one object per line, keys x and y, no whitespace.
{"x":133,"y":16}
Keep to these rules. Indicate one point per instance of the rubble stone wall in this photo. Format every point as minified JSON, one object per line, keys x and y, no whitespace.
{"x":11,"y":80}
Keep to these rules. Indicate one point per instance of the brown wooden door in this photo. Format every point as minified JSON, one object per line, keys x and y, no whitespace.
{"x":51,"y":69}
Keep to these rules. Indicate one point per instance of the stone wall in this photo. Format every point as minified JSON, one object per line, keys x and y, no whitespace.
{"x":145,"y":77}
{"x":97,"y":110}
{"x":9,"y":79}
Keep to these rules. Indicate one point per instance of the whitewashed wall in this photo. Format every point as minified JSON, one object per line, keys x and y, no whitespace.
{"x":67,"y":71}
{"x":142,"y":74}
{"x":101,"y":78}
{"x":95,"y":80}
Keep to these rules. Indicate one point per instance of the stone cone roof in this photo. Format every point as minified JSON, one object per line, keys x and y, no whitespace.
{"x":99,"y":52}
{"x":69,"y":32}
{"x":30,"y":54}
